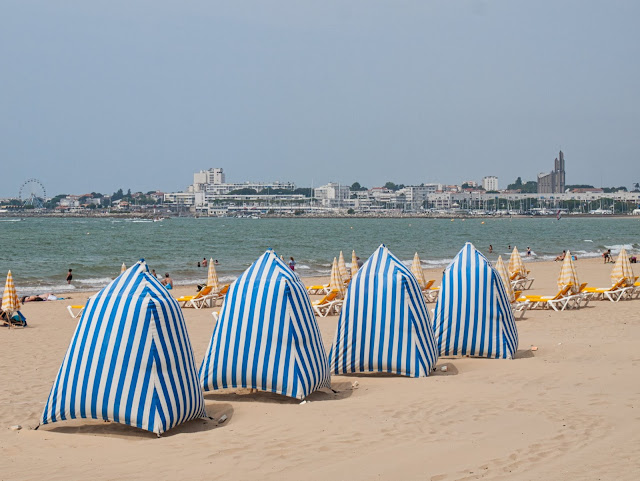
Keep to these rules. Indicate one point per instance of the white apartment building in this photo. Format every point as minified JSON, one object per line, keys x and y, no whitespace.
{"x":415,"y":195}
{"x":180,"y":198}
{"x":212,"y":176}
{"x":332,"y":194}
{"x":490,"y":182}
{"x":210,"y":185}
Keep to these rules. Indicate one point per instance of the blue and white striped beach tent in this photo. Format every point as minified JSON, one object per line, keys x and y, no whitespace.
{"x":130,"y":359}
{"x":266,"y":337}
{"x":384,"y":325}
{"x":473,"y":316}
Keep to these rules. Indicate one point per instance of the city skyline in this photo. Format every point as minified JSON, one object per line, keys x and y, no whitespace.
{"x":110,"y":94}
{"x":217,"y":175}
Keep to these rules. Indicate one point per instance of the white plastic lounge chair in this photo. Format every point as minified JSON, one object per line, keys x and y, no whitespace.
{"x":431,"y":294}
{"x":612,"y":293}
{"x":578,"y":299}
{"x":203,"y":297}
{"x":557,"y":302}
{"x":75,"y":311}
{"x":318,"y":290}
{"x":328,"y":304}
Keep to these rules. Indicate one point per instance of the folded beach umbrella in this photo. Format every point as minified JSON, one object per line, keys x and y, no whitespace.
{"x":516,"y":264}
{"x":266,"y":337}
{"x":212,"y":276}
{"x":384,"y":324}
{"x":123,"y":268}
{"x":344,"y":273}
{"x":354,"y":263}
{"x":336,"y":283}
{"x":622,"y":269}
{"x":473,"y":315}
{"x":568,"y":274}
{"x":10,"y":301}
{"x":504,"y":276}
{"x":416,"y":269}
{"x":130,"y":360}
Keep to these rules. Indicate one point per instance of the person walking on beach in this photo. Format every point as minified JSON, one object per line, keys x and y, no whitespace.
{"x":606,"y":255}
{"x":69,"y":277}
{"x":292,"y":264}
{"x":528,"y":251}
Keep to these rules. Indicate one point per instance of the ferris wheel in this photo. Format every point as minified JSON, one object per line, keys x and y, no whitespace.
{"x":33,"y":193}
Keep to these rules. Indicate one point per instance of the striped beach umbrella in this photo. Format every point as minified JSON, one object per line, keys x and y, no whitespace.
{"x":212,"y":276}
{"x":416,"y":269}
{"x":473,"y":315}
{"x":622,"y":269}
{"x":336,"y":283}
{"x":354,"y":263}
{"x":516,"y":264}
{"x":568,"y":274}
{"x":130,"y":360}
{"x":344,"y":273}
{"x":384,"y":324}
{"x":123,"y":268}
{"x":10,"y":301}
{"x":266,"y":337}
{"x":504,"y":276}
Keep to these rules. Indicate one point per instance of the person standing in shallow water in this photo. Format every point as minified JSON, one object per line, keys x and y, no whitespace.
{"x":292,"y":264}
{"x":69,"y":276}
{"x":167,"y":281}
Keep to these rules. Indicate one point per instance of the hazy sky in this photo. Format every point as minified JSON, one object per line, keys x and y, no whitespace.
{"x":140,"y":94}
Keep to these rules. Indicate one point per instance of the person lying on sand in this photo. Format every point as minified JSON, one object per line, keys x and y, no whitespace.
{"x":41,"y":297}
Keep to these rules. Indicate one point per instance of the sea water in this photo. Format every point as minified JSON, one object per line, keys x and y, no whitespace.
{"x":39,"y":251}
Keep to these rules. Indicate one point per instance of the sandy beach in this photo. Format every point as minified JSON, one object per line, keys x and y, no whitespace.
{"x":568,"y":410}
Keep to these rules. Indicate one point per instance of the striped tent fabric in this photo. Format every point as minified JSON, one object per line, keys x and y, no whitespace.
{"x":384,"y":324}
{"x":130,"y":360}
{"x":344,"y":273}
{"x":212,"y":276}
{"x":418,"y":272}
{"x":516,"y":264}
{"x":622,"y":269}
{"x":10,"y":301}
{"x":568,"y":274}
{"x":266,"y":337}
{"x":354,"y":263}
{"x":473,"y":316}
{"x":504,"y":275}
{"x":335,"y":282}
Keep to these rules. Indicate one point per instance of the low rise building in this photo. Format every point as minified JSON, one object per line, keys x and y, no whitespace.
{"x":332,"y":194}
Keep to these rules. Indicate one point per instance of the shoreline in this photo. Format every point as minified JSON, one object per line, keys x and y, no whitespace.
{"x":360,"y":215}
{"x":187,"y":287}
{"x":429,"y":272}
